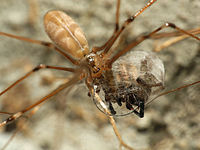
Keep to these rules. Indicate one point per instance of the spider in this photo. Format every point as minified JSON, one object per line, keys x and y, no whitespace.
{"x":95,"y":66}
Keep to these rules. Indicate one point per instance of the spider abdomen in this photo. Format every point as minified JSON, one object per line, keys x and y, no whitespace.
{"x":66,"y":34}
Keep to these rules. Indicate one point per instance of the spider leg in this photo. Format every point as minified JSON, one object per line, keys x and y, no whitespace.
{"x":37,"y":68}
{"x":31,"y":113}
{"x":47,"y":44}
{"x":96,"y":49}
{"x":19,"y":114}
{"x":125,"y":24}
{"x":140,"y":39}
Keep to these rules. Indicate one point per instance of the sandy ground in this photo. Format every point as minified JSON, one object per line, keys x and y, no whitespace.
{"x":72,"y":122}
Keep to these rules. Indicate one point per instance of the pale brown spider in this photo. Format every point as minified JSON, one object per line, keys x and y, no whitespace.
{"x":97,"y":67}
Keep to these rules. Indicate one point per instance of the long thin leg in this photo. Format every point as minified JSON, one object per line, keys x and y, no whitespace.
{"x":175,"y":34}
{"x":171,"y":91}
{"x":170,"y":42}
{"x":24,"y":123}
{"x":33,"y":12}
{"x":167,"y":43}
{"x":47,"y":44}
{"x":126,"y":23}
{"x":59,"y":132}
{"x":111,"y":119}
{"x":96,"y":49}
{"x":20,"y":127}
{"x":117,"y":16}
{"x":148,"y":36}
{"x":72,"y":81}
{"x":37,"y":68}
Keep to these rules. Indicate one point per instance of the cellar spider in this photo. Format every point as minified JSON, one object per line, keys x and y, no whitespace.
{"x":75,"y":79}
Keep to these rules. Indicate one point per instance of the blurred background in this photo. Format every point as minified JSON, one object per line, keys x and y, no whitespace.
{"x":72,"y":121}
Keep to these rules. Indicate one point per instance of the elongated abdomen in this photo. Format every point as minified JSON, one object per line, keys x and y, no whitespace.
{"x":66,"y":34}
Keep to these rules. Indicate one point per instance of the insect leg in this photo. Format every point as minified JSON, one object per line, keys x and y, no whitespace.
{"x":141,"y":112}
{"x":111,"y":119}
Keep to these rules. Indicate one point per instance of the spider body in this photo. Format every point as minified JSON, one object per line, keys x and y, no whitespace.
{"x":120,"y":83}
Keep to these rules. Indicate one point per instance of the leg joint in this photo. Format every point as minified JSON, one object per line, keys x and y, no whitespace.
{"x":41,"y":66}
{"x":168,"y":24}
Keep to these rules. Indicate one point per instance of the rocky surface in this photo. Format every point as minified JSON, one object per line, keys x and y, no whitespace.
{"x":72,"y":121}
